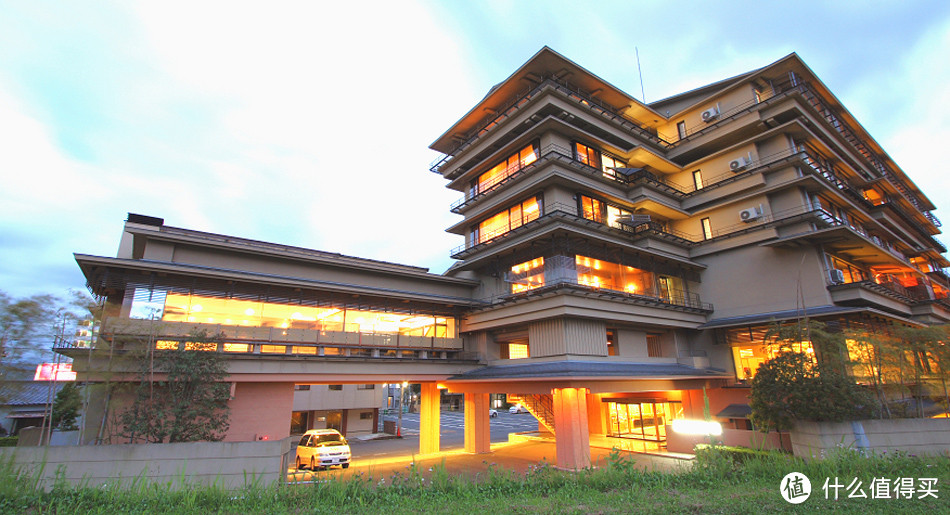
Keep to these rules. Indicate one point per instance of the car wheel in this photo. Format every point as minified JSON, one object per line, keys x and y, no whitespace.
{"x":313,"y":464}
{"x":297,"y":463}
{"x":346,"y":465}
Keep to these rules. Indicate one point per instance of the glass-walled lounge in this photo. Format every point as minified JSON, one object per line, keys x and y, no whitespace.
{"x":176,"y":307}
{"x":601,"y":274}
{"x":750,"y":349}
{"x":641,"y":419}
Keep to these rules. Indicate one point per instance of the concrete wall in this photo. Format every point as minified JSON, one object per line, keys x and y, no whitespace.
{"x":911,"y":435}
{"x":226,"y":464}
{"x":260,"y":411}
{"x":676,"y":442}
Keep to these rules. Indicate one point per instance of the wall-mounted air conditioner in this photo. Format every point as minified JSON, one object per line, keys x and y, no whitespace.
{"x":750,"y":215}
{"x":837,"y":276}
{"x":737,"y":165}
{"x":710,"y":114}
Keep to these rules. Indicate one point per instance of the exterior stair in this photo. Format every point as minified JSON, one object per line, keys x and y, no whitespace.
{"x":539,"y":405}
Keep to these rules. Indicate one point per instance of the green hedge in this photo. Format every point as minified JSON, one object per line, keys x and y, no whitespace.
{"x":9,"y":441}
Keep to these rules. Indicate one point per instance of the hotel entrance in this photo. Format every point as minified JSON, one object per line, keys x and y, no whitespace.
{"x":641,"y":419}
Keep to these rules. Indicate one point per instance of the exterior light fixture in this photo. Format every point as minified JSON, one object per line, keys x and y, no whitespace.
{"x":697,"y":427}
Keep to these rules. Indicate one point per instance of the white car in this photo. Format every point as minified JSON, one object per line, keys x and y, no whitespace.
{"x":492,"y":413}
{"x":517,"y":408}
{"x":321,"y":448}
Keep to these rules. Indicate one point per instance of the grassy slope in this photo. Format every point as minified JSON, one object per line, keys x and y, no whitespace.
{"x":719,"y":483}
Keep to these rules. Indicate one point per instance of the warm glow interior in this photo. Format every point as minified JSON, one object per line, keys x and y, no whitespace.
{"x":504,"y":169}
{"x":527,"y":276}
{"x":748,"y":357}
{"x":517,"y":350}
{"x":612,"y":276}
{"x":234,"y":312}
{"x":509,"y":219}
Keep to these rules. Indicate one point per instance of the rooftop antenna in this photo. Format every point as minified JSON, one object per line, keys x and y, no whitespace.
{"x":640,"y":72}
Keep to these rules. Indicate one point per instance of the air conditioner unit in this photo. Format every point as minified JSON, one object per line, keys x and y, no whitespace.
{"x":710,"y":114}
{"x":837,"y":276}
{"x":737,"y":165}
{"x":749,"y":215}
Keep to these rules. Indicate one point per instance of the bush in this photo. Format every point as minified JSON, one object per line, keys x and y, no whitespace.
{"x":9,"y":441}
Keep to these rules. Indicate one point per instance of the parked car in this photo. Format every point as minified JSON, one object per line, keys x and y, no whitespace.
{"x":492,"y":413}
{"x":322,"y":448}
{"x":517,"y":408}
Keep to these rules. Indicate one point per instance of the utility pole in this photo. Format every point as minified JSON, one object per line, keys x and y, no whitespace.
{"x":402,"y":389}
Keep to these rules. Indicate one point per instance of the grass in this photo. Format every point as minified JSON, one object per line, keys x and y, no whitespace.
{"x":719,"y":482}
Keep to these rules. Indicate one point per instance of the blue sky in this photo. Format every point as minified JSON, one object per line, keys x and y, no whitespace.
{"x":308,"y":124}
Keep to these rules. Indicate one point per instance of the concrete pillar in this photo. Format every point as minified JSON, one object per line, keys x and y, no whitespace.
{"x":570,"y":426}
{"x":429,"y":419}
{"x":477,"y":425}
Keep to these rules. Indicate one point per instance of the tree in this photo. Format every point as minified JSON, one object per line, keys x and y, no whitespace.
{"x":801,"y":386}
{"x":66,"y":407}
{"x":190,"y":404}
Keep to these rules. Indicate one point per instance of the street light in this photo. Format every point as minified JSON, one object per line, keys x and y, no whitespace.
{"x":399,"y":424}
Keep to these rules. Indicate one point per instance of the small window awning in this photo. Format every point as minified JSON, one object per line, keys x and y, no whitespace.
{"x":735,"y":411}
{"x":27,"y":414}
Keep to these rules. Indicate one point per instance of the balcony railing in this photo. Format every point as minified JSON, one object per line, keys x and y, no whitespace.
{"x":672,"y":297}
{"x":566,"y":91}
{"x":273,"y":340}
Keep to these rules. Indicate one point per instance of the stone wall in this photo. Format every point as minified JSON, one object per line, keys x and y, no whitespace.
{"x":911,"y":435}
{"x":226,"y":464}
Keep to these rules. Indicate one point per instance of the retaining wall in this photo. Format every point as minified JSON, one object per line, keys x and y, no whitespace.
{"x":911,"y":435}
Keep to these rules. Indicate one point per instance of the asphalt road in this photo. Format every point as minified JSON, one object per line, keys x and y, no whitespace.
{"x":452,"y":425}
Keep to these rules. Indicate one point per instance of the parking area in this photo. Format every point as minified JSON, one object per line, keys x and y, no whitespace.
{"x":383,"y":458}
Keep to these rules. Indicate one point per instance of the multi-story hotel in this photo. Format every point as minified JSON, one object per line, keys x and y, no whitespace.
{"x":621,"y":261}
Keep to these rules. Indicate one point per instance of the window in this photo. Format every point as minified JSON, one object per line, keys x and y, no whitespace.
{"x":597,"y":159}
{"x":510,"y":350}
{"x":366,"y":415}
{"x":707,"y":229}
{"x":335,"y":387}
{"x":698,"y":179}
{"x":612,"y":342}
{"x":654,"y":346}
{"x":508,"y":220}
{"x":527,"y":276}
{"x":505,"y":168}
{"x":366,"y":387}
{"x":592,"y":209}
{"x":301,"y":387}
{"x":681,"y":129}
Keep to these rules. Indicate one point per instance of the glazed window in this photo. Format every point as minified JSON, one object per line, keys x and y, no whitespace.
{"x":852,"y":273}
{"x":515,"y":351}
{"x":707,"y":229}
{"x":508,"y":220}
{"x":612,"y":342}
{"x":592,"y":209}
{"x":698,"y":179}
{"x":612,"y":276}
{"x":506,"y":168}
{"x":597,"y":159}
{"x":748,"y":357}
{"x":527,"y":276}
{"x":202,"y":309}
{"x":681,"y":129}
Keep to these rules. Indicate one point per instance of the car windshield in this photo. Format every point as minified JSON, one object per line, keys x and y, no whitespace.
{"x":331,"y":439}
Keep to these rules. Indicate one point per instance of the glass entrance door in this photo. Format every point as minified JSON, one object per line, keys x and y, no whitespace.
{"x":642,"y":420}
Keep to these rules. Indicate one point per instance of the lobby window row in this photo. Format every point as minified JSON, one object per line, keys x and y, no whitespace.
{"x":504,"y":169}
{"x":596,"y":273}
{"x":507,"y":220}
{"x":148,"y":303}
{"x":750,"y":349}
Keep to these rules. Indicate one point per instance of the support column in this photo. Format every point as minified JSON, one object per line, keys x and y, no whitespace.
{"x":477,"y":424}
{"x":570,"y":426}
{"x":429,"y":419}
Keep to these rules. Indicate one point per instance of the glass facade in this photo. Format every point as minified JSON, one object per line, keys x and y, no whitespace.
{"x":508,"y":220}
{"x":641,"y":419}
{"x":750,"y":349}
{"x":505,"y":168}
{"x":193,"y":308}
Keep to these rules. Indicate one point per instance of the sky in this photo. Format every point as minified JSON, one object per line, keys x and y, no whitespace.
{"x":308,"y":123}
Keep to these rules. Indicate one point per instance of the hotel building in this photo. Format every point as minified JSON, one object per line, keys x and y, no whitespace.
{"x":621,"y":261}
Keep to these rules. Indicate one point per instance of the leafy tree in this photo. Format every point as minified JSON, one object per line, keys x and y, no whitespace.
{"x":66,"y":407}
{"x":190,"y":404}
{"x":800,"y":386}
{"x":793,"y":386}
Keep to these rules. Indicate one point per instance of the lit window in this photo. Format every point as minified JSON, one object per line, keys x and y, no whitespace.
{"x":273,"y":349}
{"x":707,"y":229}
{"x":508,"y":220}
{"x":167,"y":345}
{"x":236,"y":347}
{"x":698,"y":179}
{"x":527,"y":276}
{"x":681,"y":129}
{"x":506,"y":168}
{"x":517,"y":350}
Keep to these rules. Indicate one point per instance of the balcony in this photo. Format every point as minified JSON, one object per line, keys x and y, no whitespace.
{"x":129,"y":333}
{"x":677,"y":299}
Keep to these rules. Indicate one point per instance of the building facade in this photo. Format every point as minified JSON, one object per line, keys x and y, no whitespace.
{"x":621,"y":261}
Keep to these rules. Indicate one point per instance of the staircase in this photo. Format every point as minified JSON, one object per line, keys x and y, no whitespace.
{"x":541,"y":406}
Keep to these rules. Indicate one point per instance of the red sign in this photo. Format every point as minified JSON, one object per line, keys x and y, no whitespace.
{"x":54,"y":372}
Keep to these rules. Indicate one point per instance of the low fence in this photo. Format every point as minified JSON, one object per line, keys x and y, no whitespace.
{"x":910,"y":435}
{"x":226,"y":464}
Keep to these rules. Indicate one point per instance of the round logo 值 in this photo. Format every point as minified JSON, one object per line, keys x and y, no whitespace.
{"x":795,"y":487}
